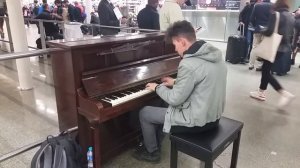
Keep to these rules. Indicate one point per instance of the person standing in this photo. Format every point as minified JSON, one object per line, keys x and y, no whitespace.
{"x":286,"y":26}
{"x":148,"y":18}
{"x":244,"y":19}
{"x":170,"y":13}
{"x":108,"y":17}
{"x":259,"y":20}
{"x":196,"y":98}
{"x":51,"y":29}
{"x":296,"y":40}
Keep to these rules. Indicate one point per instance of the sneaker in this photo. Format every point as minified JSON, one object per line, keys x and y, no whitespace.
{"x":258,"y":95}
{"x":144,"y":155}
{"x":285,"y":99}
{"x":251,"y":67}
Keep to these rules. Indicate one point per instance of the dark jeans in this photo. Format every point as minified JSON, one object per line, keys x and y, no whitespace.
{"x":267,"y":77}
{"x":250,"y":42}
{"x":206,"y":127}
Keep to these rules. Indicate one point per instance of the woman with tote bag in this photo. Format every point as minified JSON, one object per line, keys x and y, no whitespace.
{"x":285,"y":29}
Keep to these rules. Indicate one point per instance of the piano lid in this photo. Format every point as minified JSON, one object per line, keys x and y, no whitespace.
{"x":115,"y":80}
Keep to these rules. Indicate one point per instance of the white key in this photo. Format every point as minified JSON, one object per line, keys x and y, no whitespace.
{"x":128,"y":97}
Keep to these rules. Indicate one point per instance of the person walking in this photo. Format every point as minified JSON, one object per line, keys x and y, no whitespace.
{"x":286,"y":25}
{"x":259,"y":20}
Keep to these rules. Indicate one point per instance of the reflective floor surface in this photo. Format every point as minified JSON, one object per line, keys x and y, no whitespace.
{"x":270,"y":139}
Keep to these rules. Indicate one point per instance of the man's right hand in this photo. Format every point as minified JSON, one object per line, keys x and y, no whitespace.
{"x":168,"y":81}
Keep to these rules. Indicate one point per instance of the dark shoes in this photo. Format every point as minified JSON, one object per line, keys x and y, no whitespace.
{"x":143,"y":155}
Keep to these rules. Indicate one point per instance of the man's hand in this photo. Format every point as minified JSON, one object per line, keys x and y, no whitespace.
{"x":168,"y":81}
{"x":151,"y":86}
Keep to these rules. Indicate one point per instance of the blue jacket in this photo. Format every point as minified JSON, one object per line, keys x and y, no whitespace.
{"x":260,"y":16}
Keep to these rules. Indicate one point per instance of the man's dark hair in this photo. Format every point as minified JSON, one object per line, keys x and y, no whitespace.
{"x":181,"y":29}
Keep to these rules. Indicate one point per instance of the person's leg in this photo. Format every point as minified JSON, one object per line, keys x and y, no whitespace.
{"x":150,"y":118}
{"x":250,"y":33}
{"x":256,"y":41}
{"x":265,"y":73}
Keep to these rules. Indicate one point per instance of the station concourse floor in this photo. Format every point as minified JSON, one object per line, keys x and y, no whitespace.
{"x":270,"y":138}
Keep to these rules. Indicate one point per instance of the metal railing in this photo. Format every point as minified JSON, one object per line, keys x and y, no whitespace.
{"x":40,"y":24}
{"x":19,"y":55}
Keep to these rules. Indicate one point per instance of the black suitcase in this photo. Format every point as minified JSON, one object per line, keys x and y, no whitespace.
{"x":236,"y":48}
{"x":282,"y":64}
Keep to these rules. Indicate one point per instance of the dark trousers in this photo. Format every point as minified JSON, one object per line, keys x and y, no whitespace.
{"x":267,"y":77}
{"x":206,"y":127}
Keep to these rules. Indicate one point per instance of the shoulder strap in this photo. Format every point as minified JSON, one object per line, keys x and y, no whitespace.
{"x":60,"y":158}
{"x":46,"y":152}
{"x":277,"y":22}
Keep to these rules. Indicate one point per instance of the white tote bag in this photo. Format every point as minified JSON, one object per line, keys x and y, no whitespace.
{"x":268,"y":47}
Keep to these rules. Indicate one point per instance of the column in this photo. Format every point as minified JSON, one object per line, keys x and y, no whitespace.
{"x":20,"y":43}
{"x":88,"y":9}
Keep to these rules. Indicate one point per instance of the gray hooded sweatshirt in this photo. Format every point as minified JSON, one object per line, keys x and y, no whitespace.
{"x":198,"y":95}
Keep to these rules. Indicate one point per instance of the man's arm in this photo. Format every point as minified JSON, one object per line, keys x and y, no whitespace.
{"x":181,"y":90}
{"x":242,"y":14}
{"x":252,"y":16}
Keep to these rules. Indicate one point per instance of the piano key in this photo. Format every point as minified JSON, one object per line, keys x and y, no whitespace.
{"x":130,"y":95}
{"x":110,"y":97}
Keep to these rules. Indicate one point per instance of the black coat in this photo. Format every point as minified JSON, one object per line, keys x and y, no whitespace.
{"x":148,"y":18}
{"x":246,"y":14}
{"x":285,"y":28}
{"x":50,"y":28}
{"x":107,"y":18}
{"x":260,"y":15}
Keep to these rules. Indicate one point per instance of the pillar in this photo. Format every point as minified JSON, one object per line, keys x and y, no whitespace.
{"x":20,"y":43}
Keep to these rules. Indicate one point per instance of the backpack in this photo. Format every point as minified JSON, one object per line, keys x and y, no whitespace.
{"x":58,"y":152}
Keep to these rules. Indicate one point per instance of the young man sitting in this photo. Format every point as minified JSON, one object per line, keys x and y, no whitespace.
{"x":196,"y":98}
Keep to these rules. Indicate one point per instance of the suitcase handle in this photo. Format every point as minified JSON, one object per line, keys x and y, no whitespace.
{"x":242,"y":29}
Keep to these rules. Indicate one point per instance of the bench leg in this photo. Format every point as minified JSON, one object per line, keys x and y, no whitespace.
{"x":174,"y":155}
{"x":235,"y":151}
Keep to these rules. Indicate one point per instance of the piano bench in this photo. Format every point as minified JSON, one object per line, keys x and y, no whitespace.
{"x":207,"y":146}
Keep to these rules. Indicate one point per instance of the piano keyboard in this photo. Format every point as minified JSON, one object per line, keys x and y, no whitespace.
{"x":125,"y":96}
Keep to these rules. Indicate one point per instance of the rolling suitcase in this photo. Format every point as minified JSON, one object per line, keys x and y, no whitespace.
{"x":282,"y":64}
{"x":237,"y":48}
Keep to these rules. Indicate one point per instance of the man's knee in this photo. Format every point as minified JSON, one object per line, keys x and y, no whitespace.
{"x":144,"y":113}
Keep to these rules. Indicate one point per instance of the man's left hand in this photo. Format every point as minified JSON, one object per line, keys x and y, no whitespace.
{"x":151,"y":86}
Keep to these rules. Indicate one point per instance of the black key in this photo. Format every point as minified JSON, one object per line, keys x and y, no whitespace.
{"x":105,"y":99}
{"x":119,"y":95}
{"x":110,"y":97}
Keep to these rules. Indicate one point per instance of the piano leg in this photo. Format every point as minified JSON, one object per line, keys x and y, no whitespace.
{"x":96,"y":138}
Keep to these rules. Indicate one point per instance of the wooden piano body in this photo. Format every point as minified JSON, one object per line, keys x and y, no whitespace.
{"x":88,"y":70}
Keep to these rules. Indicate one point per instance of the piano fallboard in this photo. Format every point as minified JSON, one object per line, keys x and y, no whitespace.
{"x":103,"y":83}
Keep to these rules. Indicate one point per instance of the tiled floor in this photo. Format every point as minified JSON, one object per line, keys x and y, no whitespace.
{"x":270,"y":138}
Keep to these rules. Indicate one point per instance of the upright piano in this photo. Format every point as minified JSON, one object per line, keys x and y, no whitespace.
{"x":100,"y":85}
